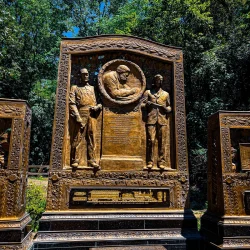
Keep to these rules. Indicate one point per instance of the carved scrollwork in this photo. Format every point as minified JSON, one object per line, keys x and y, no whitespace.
{"x":11,"y":110}
{"x":16,"y":145}
{"x":131,"y":44}
{"x":180,"y":119}
{"x":226,"y":147}
{"x":235,"y":121}
{"x":111,"y":235}
{"x":60,"y":112}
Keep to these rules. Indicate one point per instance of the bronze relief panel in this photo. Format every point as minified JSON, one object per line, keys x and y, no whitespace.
{"x":5,"y":135}
{"x":240,"y":149}
{"x":115,"y":126}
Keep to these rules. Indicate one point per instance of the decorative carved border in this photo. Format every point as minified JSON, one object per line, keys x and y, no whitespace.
{"x":11,"y":110}
{"x":229,"y":243}
{"x":24,"y":245}
{"x":119,"y":235}
{"x":180,"y":119}
{"x":60,"y":111}
{"x":226,"y":149}
{"x":16,"y":144}
{"x":15,"y":224}
{"x":237,"y":120}
{"x":124,"y":43}
{"x":113,"y":216}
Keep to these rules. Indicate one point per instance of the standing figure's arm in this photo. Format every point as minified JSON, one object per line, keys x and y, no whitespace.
{"x":168,"y":108}
{"x":144,"y":100}
{"x":98,"y":105}
{"x":73,"y":110}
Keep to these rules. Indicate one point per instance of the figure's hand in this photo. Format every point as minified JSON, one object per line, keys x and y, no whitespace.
{"x":96,"y":108}
{"x":135,"y":90}
{"x":79,"y":119}
{"x":167,"y":109}
{"x":99,"y":106}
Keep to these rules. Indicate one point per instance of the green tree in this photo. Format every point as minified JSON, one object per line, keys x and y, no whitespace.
{"x":214,"y":36}
{"x":89,"y":16}
{"x":30,"y":34}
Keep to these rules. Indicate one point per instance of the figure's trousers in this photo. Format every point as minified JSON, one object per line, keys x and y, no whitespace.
{"x":88,"y":133}
{"x":161,"y":133}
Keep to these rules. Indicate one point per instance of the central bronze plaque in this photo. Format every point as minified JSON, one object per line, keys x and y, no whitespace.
{"x":121,"y":142}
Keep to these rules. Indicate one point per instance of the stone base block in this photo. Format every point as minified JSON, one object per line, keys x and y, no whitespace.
{"x":15,"y":233}
{"x":226,"y":232}
{"x":172,"y":230}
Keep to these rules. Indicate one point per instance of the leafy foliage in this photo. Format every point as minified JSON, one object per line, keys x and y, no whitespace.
{"x":42,"y":99}
{"x":30,"y":34}
{"x":36,"y":203}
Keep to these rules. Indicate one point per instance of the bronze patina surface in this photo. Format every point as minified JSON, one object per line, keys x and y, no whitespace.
{"x":83,"y":110}
{"x":15,"y":123}
{"x":119,"y":143}
{"x":226,"y":223}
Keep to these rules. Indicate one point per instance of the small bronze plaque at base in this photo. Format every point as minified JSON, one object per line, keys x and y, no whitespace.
{"x":96,"y":197}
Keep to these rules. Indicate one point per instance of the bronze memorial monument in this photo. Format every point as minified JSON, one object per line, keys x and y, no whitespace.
{"x":15,"y":122}
{"x":226,"y":224}
{"x":119,"y":165}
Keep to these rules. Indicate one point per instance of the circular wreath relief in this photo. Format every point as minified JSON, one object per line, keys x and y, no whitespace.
{"x":121,"y":81}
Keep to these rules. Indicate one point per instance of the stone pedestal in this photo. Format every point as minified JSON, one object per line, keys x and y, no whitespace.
{"x":124,"y":202}
{"x":226,"y":222}
{"x":172,"y":229}
{"x":15,"y":122}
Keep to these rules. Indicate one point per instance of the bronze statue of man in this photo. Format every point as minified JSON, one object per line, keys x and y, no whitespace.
{"x":83,"y":108}
{"x":157,"y":102}
{"x":115,"y":83}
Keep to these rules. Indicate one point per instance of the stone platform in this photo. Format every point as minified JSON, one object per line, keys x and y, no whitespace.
{"x":173,"y":230}
{"x":15,"y":233}
{"x":226,"y":232}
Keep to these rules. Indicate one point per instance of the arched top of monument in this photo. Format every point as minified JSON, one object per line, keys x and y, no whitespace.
{"x":95,"y":44}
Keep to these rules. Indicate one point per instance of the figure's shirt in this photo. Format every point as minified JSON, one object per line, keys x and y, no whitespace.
{"x":81,"y":97}
{"x":154,"y":112}
{"x":161,"y":97}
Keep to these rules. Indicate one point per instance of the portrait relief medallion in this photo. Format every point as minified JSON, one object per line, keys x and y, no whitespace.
{"x":121,"y":81}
